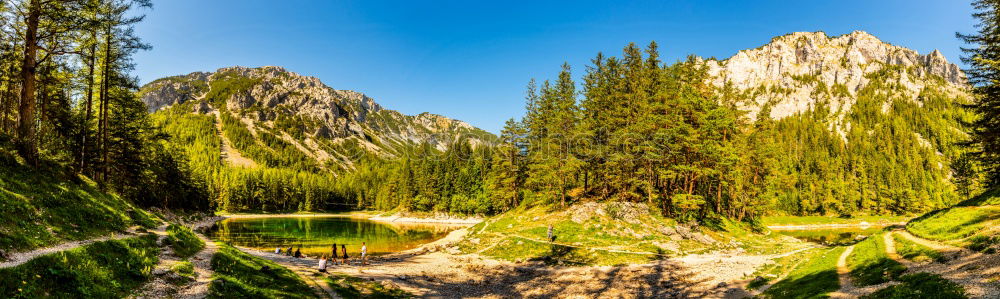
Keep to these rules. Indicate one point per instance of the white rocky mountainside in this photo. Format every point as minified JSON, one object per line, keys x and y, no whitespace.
{"x":786,"y":72}
{"x":326,"y":124}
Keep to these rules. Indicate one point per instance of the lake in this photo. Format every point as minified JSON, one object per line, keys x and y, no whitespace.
{"x":831,"y":236}
{"x":316,"y":234}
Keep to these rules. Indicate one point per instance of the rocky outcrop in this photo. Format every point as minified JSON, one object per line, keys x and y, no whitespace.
{"x":796,"y":63}
{"x":287,"y":104}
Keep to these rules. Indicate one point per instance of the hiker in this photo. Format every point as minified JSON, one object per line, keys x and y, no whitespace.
{"x":298,"y":252}
{"x":552,"y":237}
{"x":277,"y":250}
{"x":322,"y":264}
{"x":364,"y":254}
{"x":289,"y":251}
{"x":343,"y":248}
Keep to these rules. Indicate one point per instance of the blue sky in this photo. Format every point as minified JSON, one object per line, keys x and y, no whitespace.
{"x":470,"y":60}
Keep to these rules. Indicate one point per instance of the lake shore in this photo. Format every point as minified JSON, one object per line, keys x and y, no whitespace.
{"x":369,"y":216}
{"x":833,"y":225}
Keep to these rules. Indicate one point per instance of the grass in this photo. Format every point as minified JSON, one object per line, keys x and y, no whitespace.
{"x":240,"y":275}
{"x":51,"y":205}
{"x":183,"y":268}
{"x":781,"y":266}
{"x":350,"y":287}
{"x":609,"y":234}
{"x":823,"y":220}
{"x":921,"y":285}
{"x":107,"y":269}
{"x":954,"y":223}
{"x":916,"y":252}
{"x":183,"y":241}
{"x":814,"y":278}
{"x":870,"y":265}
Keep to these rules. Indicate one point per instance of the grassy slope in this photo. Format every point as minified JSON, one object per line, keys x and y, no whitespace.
{"x":49,"y":205}
{"x":974,"y":223}
{"x":814,"y":278}
{"x":108,"y":269}
{"x":519,"y":235}
{"x":238,"y":275}
{"x":870,"y":264}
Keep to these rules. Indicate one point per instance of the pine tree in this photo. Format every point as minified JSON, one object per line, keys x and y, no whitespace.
{"x":984,"y":73}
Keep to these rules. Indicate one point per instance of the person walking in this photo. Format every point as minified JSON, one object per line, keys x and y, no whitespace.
{"x":552,"y":237}
{"x":343,"y":249}
{"x":364,"y":254}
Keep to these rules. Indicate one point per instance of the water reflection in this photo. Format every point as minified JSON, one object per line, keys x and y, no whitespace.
{"x":316,"y":234}
{"x":832,"y":236}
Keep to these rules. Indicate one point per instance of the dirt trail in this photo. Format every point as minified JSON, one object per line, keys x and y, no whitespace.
{"x":847,"y":289}
{"x":228,"y":153}
{"x":202,"y":262}
{"x":978,"y":273}
{"x":19,"y":258}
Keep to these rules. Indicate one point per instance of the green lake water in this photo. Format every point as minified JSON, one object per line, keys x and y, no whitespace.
{"x":831,"y":236}
{"x":316,"y":234}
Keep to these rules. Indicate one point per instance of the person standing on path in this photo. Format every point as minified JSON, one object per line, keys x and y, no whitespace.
{"x":343,"y":248}
{"x":364,"y":254}
{"x":552,"y":238}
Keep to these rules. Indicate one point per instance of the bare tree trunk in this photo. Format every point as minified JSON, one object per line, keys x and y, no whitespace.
{"x":85,"y":129}
{"x":104,"y":106}
{"x":26,"y":110}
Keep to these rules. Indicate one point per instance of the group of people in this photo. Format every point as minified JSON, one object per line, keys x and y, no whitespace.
{"x":326,"y":260}
{"x":297,"y":253}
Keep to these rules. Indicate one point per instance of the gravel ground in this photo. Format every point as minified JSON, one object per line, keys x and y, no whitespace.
{"x":978,"y":273}
{"x":437,"y":270}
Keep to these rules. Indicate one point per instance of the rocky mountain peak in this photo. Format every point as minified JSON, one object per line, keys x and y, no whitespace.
{"x":796,"y":62}
{"x":317,"y":119}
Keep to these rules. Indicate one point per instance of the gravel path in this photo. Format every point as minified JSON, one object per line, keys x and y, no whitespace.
{"x":202,"y":262}
{"x":18,"y":258}
{"x":847,"y":289}
{"x":438,"y":270}
{"x":978,"y":273}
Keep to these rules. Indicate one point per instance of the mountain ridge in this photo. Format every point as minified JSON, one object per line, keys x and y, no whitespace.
{"x":326,"y":124}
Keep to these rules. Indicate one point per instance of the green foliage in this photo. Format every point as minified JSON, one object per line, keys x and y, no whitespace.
{"x":225,"y":85}
{"x":46,"y":206}
{"x":183,"y":268}
{"x":815,"y":278}
{"x":352,"y":287}
{"x":107,"y":269}
{"x":183,"y":241}
{"x":238,"y":274}
{"x":983,"y":58}
{"x":870,"y":265}
{"x":920,"y":286}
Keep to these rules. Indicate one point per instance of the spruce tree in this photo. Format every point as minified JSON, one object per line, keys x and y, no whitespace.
{"x":983,"y":59}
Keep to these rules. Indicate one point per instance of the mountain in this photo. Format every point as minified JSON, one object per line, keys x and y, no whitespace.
{"x":289,"y":114}
{"x":787,"y":72}
{"x":860,"y":124}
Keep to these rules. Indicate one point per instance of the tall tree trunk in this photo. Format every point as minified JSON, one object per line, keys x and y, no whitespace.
{"x":26,"y":110}
{"x":104,"y":106}
{"x":85,"y":128}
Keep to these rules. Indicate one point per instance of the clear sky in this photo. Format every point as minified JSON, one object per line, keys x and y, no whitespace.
{"x":470,"y":60}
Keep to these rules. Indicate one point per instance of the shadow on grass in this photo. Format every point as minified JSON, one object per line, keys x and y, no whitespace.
{"x":813,"y":285}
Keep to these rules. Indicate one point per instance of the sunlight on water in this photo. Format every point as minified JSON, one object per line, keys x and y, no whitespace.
{"x":316,"y":234}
